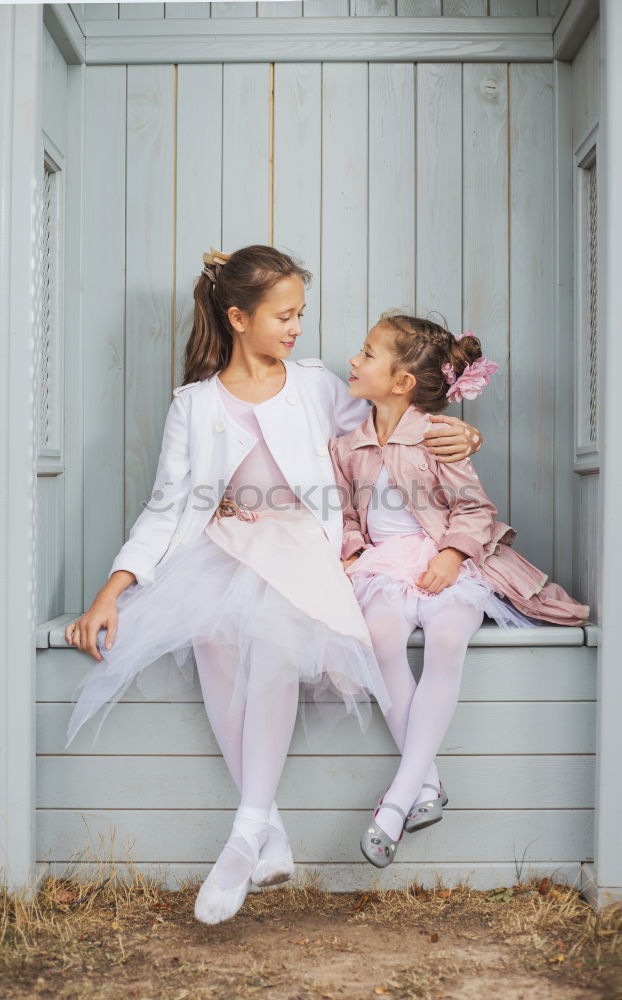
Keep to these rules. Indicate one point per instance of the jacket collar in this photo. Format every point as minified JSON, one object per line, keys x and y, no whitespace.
{"x":410,"y":430}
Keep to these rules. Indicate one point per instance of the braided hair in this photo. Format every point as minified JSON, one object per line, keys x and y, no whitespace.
{"x":422,"y":348}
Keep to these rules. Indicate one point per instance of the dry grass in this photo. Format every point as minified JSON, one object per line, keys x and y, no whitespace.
{"x":107,"y":931}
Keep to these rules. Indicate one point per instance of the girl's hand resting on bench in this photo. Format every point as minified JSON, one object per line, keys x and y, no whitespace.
{"x":442,"y":571}
{"x":102,"y":614}
{"x":84,"y":631}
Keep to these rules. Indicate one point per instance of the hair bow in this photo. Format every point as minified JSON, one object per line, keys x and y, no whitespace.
{"x":472,"y":382}
{"x":473,"y":379}
{"x":213,"y":263}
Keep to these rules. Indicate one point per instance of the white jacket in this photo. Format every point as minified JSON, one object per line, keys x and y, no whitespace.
{"x":202,"y":446}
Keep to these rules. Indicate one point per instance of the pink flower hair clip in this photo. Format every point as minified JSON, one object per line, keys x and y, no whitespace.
{"x":473,"y":380}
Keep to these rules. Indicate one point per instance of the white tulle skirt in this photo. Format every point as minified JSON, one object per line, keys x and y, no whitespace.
{"x":393,"y":566}
{"x":274,"y":589}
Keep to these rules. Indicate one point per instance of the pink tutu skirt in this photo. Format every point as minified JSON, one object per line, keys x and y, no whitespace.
{"x":392,"y":568}
{"x":274,"y":589}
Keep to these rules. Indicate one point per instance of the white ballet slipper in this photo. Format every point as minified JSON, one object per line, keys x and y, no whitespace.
{"x":273,"y":871}
{"x":213,"y":903}
{"x":280,"y":867}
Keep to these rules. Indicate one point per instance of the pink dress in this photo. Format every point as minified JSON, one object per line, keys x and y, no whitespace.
{"x":265,"y":581}
{"x":401,"y":553}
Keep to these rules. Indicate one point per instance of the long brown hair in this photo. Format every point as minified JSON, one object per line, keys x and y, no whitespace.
{"x":243,"y":281}
{"x":422,"y":347}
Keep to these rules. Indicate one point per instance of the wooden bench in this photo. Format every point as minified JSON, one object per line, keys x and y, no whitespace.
{"x":518,"y":764}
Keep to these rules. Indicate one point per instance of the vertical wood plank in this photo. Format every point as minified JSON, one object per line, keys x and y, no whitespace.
{"x":285,"y":9}
{"x":532,"y":315}
{"x":586,"y":87}
{"x":237,"y":8}
{"x":178,"y":11}
{"x":373,"y":8}
{"x":54,"y":95}
{"x":141,"y":11}
{"x":149,"y":275}
{"x":513,"y":8}
{"x":50,"y":547}
{"x":298,"y":181}
{"x":344,"y":211}
{"x":545,"y":8}
{"x":199,"y":195}
{"x":104,"y":321}
{"x":465,"y":8}
{"x":246,"y":155}
{"x":565,"y":477}
{"x":325,"y":8}
{"x":73,"y":335}
{"x":391,"y":188}
{"x":418,"y":8}
{"x":439,"y":193}
{"x":21,"y":175}
{"x":587,"y":546}
{"x":485,"y":263}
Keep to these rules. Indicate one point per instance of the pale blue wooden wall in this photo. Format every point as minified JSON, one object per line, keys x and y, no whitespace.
{"x":427,"y":187}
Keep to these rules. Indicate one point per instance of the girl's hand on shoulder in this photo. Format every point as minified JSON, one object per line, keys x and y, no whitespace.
{"x":454,"y":443}
{"x":83,"y":632}
{"x":442,"y":571}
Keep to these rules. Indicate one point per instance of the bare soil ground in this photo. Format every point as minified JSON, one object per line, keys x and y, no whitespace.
{"x":117,"y":939}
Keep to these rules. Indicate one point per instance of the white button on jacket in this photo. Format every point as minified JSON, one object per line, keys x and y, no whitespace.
{"x":195,"y":466}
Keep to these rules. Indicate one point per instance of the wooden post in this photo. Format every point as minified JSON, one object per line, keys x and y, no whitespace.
{"x":603,"y":879}
{"x":21,"y":169}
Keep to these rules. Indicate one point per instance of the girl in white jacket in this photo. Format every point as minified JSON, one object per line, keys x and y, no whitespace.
{"x":235,"y":558}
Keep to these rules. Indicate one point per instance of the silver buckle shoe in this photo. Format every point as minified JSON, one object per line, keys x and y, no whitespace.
{"x":428,"y":812}
{"x":376,"y":845}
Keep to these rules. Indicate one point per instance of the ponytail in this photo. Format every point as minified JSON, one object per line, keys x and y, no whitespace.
{"x":209,"y":345}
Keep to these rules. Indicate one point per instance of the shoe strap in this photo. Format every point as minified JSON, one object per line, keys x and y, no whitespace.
{"x":275,"y":820}
{"x":251,"y":856}
{"x":434,"y":789}
{"x":391,"y":805}
{"x":249,"y":831}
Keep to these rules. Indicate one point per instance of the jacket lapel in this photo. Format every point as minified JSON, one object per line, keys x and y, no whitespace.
{"x":218,"y":444}
{"x":410,"y":430}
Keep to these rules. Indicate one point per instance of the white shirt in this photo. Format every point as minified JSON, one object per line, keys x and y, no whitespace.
{"x":387,"y":514}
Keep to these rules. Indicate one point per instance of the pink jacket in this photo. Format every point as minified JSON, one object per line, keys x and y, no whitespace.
{"x":451,"y":506}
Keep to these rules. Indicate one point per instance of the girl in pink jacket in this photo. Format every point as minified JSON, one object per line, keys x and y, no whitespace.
{"x":423,"y":549}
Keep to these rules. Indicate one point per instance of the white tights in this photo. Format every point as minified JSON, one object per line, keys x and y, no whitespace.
{"x":254,"y":740}
{"x":420,"y":714}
